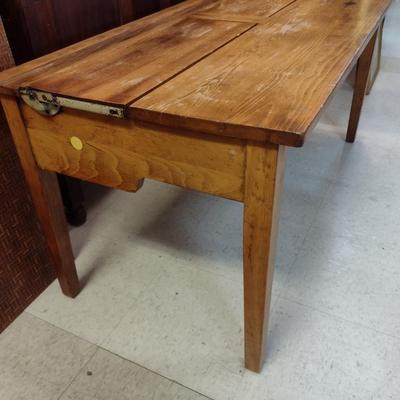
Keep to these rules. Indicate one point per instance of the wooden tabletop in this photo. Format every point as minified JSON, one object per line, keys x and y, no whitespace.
{"x":244,"y":68}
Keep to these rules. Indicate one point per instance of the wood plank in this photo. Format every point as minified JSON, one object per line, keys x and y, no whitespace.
{"x":257,"y":11}
{"x":119,"y":153}
{"x":274,"y":80}
{"x":127,"y":70}
{"x":47,"y":200}
{"x":14,"y":78}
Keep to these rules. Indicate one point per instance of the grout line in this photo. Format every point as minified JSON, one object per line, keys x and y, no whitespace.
{"x":78,"y":373}
{"x":155,"y":372}
{"x":100,"y":347}
{"x":61,"y":329}
{"x":117,"y":324}
{"x":349,"y":321}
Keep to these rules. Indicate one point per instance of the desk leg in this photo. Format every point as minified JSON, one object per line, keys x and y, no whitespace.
{"x":360,"y":86}
{"x":264,"y":176}
{"x":47,"y":200}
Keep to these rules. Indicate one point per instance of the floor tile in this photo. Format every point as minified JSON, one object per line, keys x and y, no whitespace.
{"x":109,"y":377}
{"x":112,"y":274}
{"x":354,"y":277}
{"x":38,"y":361}
{"x":391,"y":31}
{"x":188,"y":321}
{"x":195,"y":340}
{"x":178,"y":224}
{"x":316,"y":356}
{"x":361,"y":209}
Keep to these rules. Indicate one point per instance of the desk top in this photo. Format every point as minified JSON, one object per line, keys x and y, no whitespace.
{"x":260,"y":69}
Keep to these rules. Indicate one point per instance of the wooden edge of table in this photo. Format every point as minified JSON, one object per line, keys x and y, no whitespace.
{"x":217,"y":128}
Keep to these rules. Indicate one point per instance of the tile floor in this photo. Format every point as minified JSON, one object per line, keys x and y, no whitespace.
{"x":160,"y":315}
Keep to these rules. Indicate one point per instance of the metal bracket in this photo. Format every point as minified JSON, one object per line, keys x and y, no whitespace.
{"x":50,"y":104}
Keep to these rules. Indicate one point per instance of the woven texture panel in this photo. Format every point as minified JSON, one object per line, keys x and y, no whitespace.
{"x":25,"y":268}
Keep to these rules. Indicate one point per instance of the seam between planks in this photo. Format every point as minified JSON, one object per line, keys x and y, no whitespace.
{"x":254,"y":23}
{"x":191,"y":64}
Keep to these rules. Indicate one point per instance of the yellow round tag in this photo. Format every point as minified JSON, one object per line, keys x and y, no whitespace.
{"x":76,"y":143}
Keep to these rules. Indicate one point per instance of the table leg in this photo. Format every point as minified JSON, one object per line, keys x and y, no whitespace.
{"x":264,"y":176}
{"x":362,"y":73}
{"x":47,"y":200}
{"x":378,"y":50}
{"x":72,"y":198}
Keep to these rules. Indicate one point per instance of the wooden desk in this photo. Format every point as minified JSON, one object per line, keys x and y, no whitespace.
{"x":205,"y":95}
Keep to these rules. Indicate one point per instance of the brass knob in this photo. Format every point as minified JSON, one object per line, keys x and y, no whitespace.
{"x":76,"y":143}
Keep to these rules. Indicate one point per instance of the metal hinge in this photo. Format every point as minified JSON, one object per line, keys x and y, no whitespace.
{"x":50,"y":104}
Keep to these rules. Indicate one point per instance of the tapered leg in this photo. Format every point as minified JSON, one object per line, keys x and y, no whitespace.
{"x":362,"y":73}
{"x":264,"y":176}
{"x":47,"y":200}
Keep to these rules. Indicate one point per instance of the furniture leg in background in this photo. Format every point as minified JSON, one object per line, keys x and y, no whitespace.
{"x":360,"y":85}
{"x":73,"y":200}
{"x":376,"y":59}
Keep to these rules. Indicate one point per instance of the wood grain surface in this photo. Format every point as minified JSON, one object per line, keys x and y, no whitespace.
{"x":275,"y":78}
{"x":129,"y":69}
{"x":47,"y":65}
{"x":244,"y":10}
{"x":119,"y":153}
{"x":266,"y":82}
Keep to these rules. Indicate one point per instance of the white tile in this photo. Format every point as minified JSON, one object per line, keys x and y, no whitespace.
{"x":361,"y":209}
{"x":177,"y":224}
{"x":354,"y":277}
{"x":112,"y":274}
{"x":38,"y":361}
{"x":195,"y":338}
{"x":390,"y":388}
{"x":391,"y":45}
{"x":316,"y":356}
{"x":109,"y":377}
{"x":319,"y":158}
{"x":187,"y":327}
